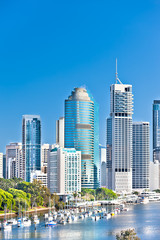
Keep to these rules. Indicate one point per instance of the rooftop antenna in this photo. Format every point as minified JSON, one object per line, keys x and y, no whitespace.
{"x":117,"y":79}
{"x":116,"y":71}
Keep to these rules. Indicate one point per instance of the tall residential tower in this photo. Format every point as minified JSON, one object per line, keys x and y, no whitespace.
{"x":141,"y":156}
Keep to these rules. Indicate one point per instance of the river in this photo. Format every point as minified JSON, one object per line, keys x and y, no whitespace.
{"x":144,"y":218}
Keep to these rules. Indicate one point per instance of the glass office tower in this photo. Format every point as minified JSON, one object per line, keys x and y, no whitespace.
{"x":82,"y":133}
{"x":31,"y":145}
{"x":156,"y":130}
{"x":119,"y":138}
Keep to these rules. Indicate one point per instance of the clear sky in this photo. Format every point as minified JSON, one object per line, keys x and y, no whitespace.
{"x":49,"y":47}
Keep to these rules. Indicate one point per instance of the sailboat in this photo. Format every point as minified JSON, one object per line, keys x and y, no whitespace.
{"x":50,"y":221}
{"x":12,"y":221}
{"x":26,"y":220}
{"x":6,"y":225}
{"x":35,"y":218}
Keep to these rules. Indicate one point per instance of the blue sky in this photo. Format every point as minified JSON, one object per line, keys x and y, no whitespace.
{"x":49,"y":47}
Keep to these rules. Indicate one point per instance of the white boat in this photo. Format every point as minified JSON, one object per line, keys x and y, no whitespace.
{"x":12,"y":221}
{"x":6,"y":226}
{"x":95,"y":217}
{"x":108,"y":216}
{"x":74,"y":218}
{"x":69,"y":219}
{"x":26,"y":222}
{"x":81,"y":216}
{"x":51,"y":223}
{"x":35,"y":219}
{"x":62,"y":221}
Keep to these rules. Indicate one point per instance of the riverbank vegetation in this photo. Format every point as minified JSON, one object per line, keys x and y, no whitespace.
{"x":16,"y":192}
{"x":98,"y":194}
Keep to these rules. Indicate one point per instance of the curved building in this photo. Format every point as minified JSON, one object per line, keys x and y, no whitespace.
{"x":82,"y":133}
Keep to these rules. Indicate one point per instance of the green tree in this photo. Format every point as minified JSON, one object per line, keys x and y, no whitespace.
{"x":129,"y":234}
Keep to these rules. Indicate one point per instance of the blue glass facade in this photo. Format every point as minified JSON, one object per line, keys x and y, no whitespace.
{"x":156,"y":130}
{"x":31,"y":144}
{"x":81,"y":133}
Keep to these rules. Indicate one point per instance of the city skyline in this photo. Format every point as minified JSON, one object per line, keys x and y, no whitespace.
{"x":36,"y":56}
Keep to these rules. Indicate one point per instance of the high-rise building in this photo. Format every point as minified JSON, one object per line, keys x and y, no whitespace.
{"x":141,"y":155}
{"x":64,"y":170}
{"x":156,"y":130}
{"x":82,"y":133}
{"x":4,"y":166}
{"x":31,"y":144}
{"x":154,"y":175}
{"x":14,"y":160}
{"x":119,"y":138}
{"x":45,"y":148}
{"x":102,"y":157}
{"x":1,"y":165}
{"x":60,"y":132}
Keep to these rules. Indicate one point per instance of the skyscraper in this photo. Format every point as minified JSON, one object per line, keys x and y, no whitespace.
{"x":1,"y":165}
{"x":14,"y":160}
{"x":119,"y":138}
{"x":60,"y":132}
{"x":141,"y":155}
{"x":45,"y":148}
{"x":31,"y":144}
{"x":156,"y":130}
{"x":82,"y":133}
{"x":102,"y":157}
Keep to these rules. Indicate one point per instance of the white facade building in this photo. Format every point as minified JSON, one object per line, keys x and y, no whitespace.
{"x":154,"y":175}
{"x":60,"y":132}
{"x":39,"y":176}
{"x":119,"y":138}
{"x":141,"y":155}
{"x":14,"y":160}
{"x":45,"y":148}
{"x":64,"y":170}
{"x":1,"y":165}
{"x":102,"y":158}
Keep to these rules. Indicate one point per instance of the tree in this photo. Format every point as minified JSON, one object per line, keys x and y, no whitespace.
{"x":127,"y":234}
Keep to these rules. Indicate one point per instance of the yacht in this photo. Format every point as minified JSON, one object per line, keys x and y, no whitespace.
{"x":12,"y":221}
{"x":26,"y":222}
{"x":7,"y":226}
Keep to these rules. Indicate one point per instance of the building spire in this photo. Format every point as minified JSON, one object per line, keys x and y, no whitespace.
{"x":117,"y":79}
{"x":116,"y":72}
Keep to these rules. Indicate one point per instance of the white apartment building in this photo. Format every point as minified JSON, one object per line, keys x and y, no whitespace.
{"x":45,"y":148}
{"x":154,"y":173}
{"x":64,"y":170}
{"x":14,"y":160}
{"x":39,"y":176}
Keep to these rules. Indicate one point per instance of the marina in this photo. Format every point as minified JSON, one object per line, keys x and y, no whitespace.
{"x":97,"y":223}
